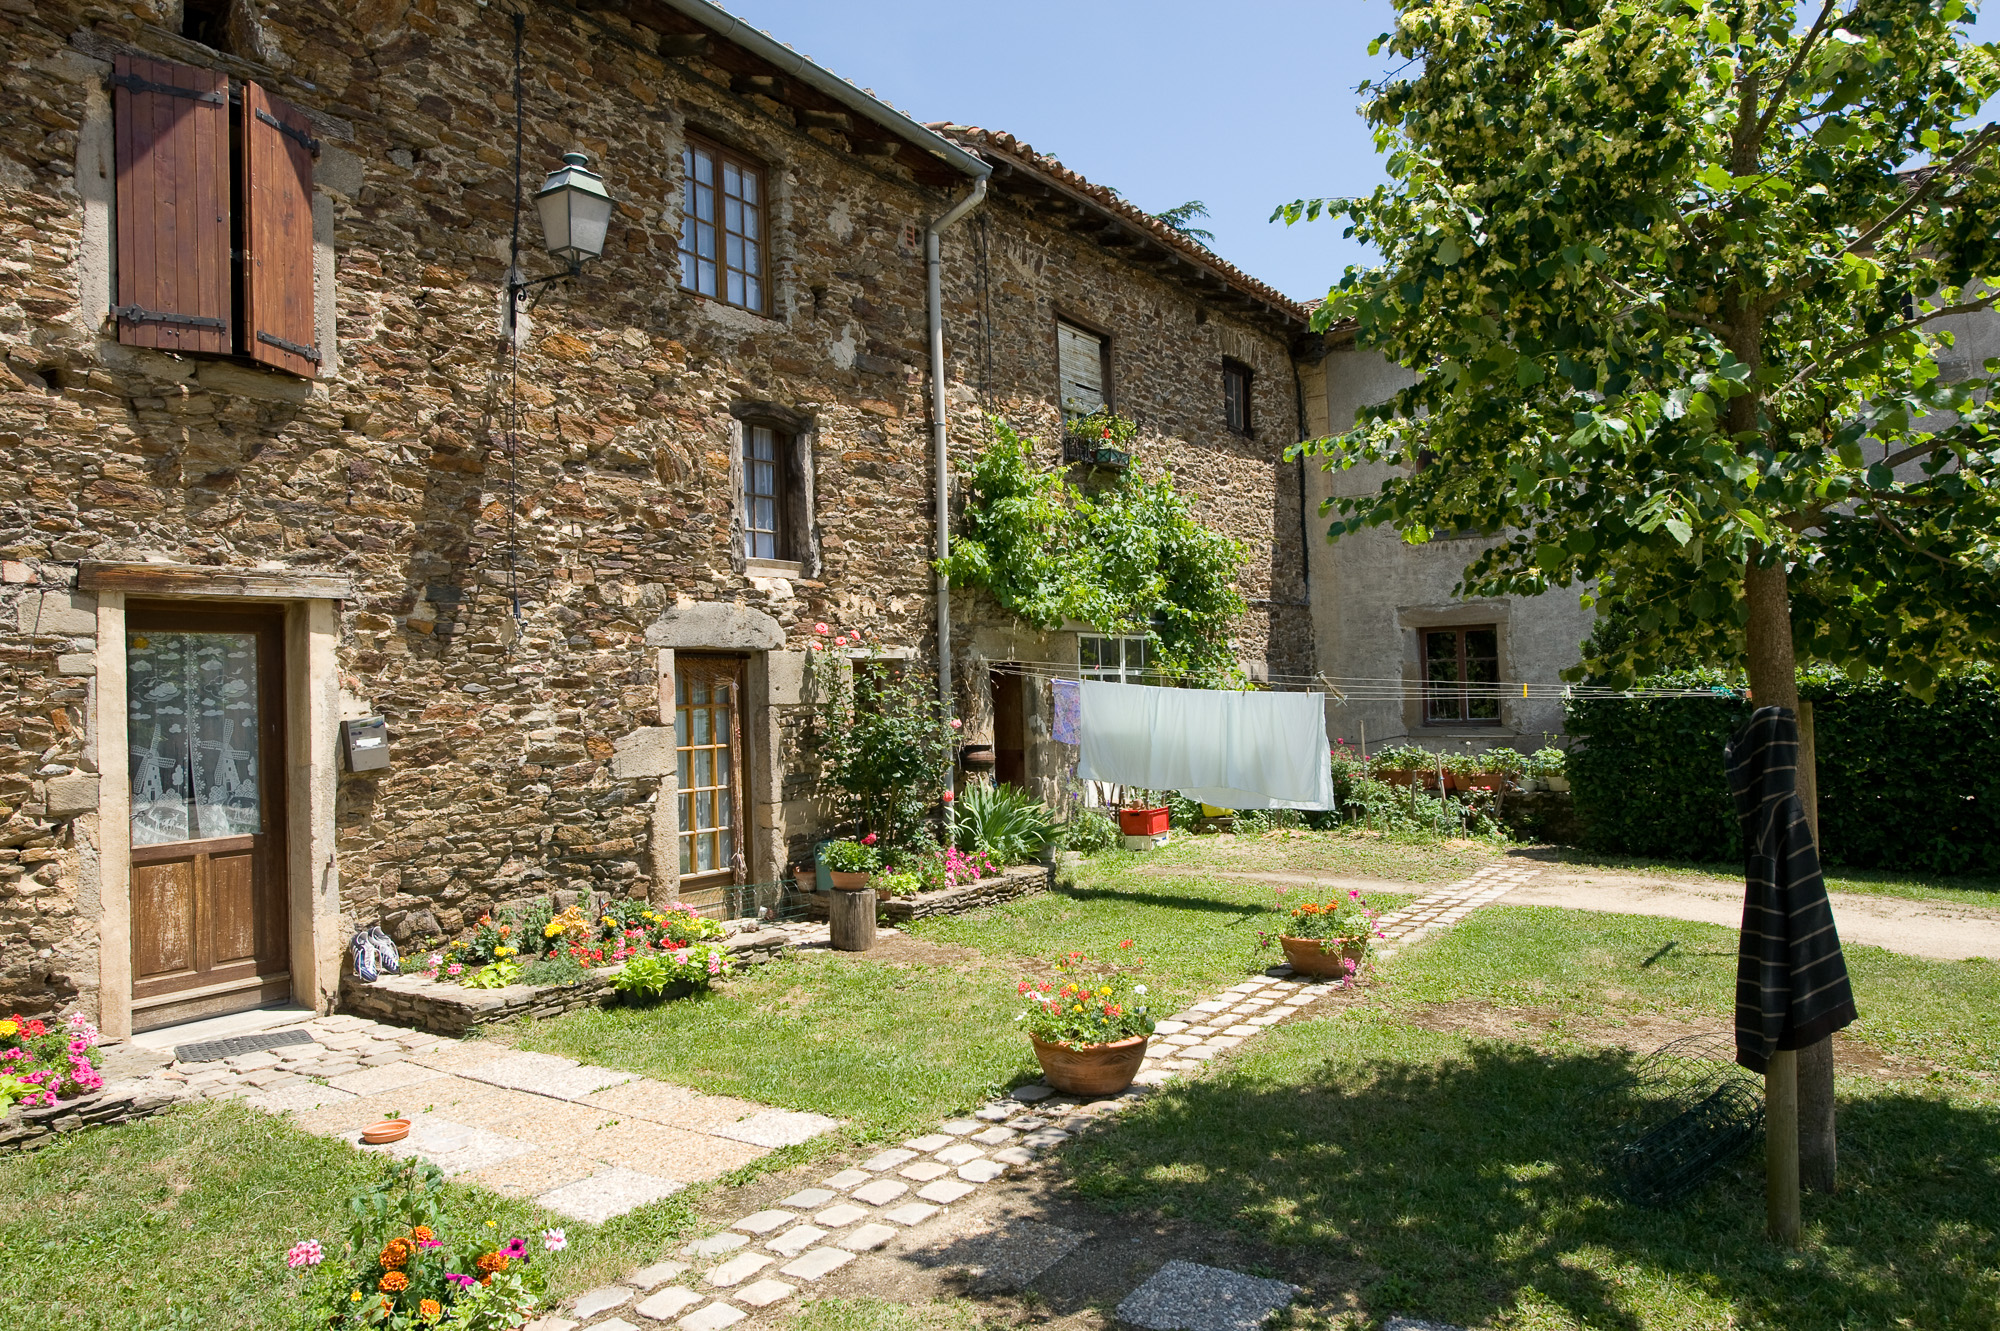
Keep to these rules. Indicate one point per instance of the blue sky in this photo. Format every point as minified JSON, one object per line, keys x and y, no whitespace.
{"x":1244,"y":106}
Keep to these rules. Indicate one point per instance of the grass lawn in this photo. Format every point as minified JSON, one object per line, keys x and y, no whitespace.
{"x":896,"y":1039}
{"x":1971,"y":890}
{"x":180,"y":1223}
{"x":1463,"y":1169}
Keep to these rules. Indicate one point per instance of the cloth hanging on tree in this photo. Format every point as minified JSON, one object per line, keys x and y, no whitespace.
{"x":1063,"y":693}
{"x":1791,"y":978}
{"x":1234,"y":750}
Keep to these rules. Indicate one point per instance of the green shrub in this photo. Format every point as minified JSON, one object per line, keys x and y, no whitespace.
{"x":1903,"y":784}
{"x":1007,"y":823}
{"x":1090,"y":832}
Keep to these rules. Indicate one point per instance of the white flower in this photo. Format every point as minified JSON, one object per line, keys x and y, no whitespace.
{"x":1138,"y":988}
{"x":554,"y":1240}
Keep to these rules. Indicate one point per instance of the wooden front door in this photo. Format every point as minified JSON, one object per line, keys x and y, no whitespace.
{"x":708,"y":731}
{"x":1010,"y":745}
{"x":206,"y":737}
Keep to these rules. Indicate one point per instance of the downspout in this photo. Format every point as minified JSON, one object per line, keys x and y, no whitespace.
{"x":940,"y":452}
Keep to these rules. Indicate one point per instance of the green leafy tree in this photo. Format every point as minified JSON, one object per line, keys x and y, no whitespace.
{"x":1677,"y":307}
{"x":1183,"y":217}
{"x":1126,"y":557}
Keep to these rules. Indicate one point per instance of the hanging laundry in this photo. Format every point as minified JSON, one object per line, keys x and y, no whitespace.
{"x":1234,"y":750}
{"x":1066,"y":705}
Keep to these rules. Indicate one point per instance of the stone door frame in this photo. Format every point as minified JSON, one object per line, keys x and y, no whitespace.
{"x":310,"y":607}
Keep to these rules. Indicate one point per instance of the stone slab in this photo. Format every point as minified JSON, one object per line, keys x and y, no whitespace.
{"x":945,"y":1192}
{"x":982,"y":1171}
{"x":889,"y":1159}
{"x":847,"y":1178}
{"x":764,"y":1293}
{"x":386,"y":1077}
{"x":807,"y":1198}
{"x":712,"y":1318}
{"x":1000,"y":1254}
{"x":881,"y":1192}
{"x":715,"y":1245}
{"x":738,"y":1269}
{"x":609,"y":1192}
{"x":1032,"y":1092}
{"x":669,"y":1302}
{"x":867,"y":1238}
{"x":835,"y":1217}
{"x":763,"y":1222}
{"x":601,"y":1300}
{"x":546,"y":1074}
{"x":298,"y":1098}
{"x":913,"y":1213}
{"x":995,"y":1136}
{"x":935,"y":1141}
{"x":775,"y":1128}
{"x":1015,"y":1155}
{"x":1184,"y":1296}
{"x":817,"y":1263}
{"x":795,"y":1240}
{"x":452,"y":1147}
{"x":659,"y":1273}
{"x":958,"y":1127}
{"x":959,"y":1154}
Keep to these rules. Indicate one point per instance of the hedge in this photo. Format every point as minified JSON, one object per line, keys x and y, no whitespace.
{"x":1903,"y":784}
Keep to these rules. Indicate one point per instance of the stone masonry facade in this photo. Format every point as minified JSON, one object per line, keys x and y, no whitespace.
{"x":512,"y":610}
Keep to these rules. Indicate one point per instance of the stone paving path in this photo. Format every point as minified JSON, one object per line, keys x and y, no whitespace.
{"x":902,"y":1200}
{"x":586,"y":1142}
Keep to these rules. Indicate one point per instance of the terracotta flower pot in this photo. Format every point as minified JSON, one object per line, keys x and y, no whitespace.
{"x":1485,"y":781}
{"x":1308,"y":956}
{"x":1091,"y":1069}
{"x":850,"y":882}
{"x":1399,"y":778}
{"x":386,"y":1131}
{"x":1143,"y":822}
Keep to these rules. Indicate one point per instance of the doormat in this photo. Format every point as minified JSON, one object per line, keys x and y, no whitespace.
{"x":210,"y":1050}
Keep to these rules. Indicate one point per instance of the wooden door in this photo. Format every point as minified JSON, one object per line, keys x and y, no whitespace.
{"x":708,"y":731}
{"x":205,"y":735}
{"x":1010,"y":746}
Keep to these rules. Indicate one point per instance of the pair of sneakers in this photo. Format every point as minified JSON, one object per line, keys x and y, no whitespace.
{"x":374,"y":955}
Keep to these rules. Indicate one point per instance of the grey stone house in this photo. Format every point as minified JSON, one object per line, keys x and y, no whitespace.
{"x":284,"y":456}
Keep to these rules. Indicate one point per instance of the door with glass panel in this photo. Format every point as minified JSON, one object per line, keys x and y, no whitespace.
{"x":206,"y":743}
{"x":708,"y":730}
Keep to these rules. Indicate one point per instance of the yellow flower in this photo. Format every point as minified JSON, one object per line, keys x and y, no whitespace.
{"x":9,"y":1028}
{"x":355,"y":1297}
{"x":508,"y":952}
{"x":1105,"y":992}
{"x":552,"y":928}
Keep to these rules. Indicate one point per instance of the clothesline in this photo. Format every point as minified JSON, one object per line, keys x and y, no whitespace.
{"x":1346,"y":689}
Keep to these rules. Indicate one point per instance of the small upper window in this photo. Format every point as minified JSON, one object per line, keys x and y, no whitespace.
{"x":1119,"y":659}
{"x":207,"y":22}
{"x":722,"y":225}
{"x":1236,"y":396}
{"x":1462,"y":676}
{"x":764,"y":507}
{"x":1080,"y":366}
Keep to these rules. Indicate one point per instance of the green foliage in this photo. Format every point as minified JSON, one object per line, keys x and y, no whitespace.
{"x":850,"y":857}
{"x":1127,"y":558}
{"x":556,"y":968}
{"x":1405,"y":758}
{"x":1182,"y":218}
{"x":1677,"y":312}
{"x":650,"y":978}
{"x":498,"y":975}
{"x":1090,"y":832}
{"x":884,"y":744}
{"x":1007,"y":823}
{"x":1547,"y":762}
{"x":1903,"y":784}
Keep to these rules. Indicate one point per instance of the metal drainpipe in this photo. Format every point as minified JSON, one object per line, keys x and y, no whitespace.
{"x":934,"y":266}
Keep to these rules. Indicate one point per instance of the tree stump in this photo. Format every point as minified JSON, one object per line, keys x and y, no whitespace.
{"x":852,"y":917}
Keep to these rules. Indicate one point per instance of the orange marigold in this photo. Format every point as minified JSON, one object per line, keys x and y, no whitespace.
{"x":492,"y":1261}
{"x":423,"y":1234}
{"x":393,"y":1282}
{"x":429,"y":1309}
{"x":395,"y":1254}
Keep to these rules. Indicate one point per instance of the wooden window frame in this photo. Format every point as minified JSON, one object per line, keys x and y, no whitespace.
{"x":735,"y":670}
{"x":1235,"y":372}
{"x":1146,"y":672}
{"x":783,"y":538}
{"x":688,"y":245}
{"x":1107,"y":389}
{"x":1435,"y":692}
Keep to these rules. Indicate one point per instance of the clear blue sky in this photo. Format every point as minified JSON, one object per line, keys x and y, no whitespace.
{"x":1244,"y":106}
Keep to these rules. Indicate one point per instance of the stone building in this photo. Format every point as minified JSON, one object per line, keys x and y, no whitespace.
{"x":285,"y":456}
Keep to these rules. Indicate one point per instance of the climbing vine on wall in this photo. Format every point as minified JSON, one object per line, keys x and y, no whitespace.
{"x":1128,"y":557}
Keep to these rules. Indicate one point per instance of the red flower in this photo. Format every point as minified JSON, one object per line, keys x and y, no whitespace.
{"x":868,"y":840}
{"x":1126,"y":943}
{"x":949,"y":797}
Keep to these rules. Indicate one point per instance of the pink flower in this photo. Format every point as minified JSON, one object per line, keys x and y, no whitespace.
{"x":554,"y":1240}
{"x":463,"y":1282}
{"x":840,"y":642}
{"x":79,"y":1047}
{"x":868,"y":840}
{"x":819,"y":629}
{"x":305,"y":1253}
{"x":453,"y":969}
{"x":956,"y":723}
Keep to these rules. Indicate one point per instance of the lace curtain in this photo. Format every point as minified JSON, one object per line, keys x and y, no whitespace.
{"x":192,"y":718}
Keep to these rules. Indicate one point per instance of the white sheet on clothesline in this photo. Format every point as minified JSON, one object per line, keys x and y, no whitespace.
{"x":1234,"y":750}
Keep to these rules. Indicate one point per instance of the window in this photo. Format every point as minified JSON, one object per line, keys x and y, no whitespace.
{"x":1080,"y":366}
{"x":722,"y":225}
{"x":207,"y":22}
{"x":1236,"y":396}
{"x":1462,"y":676}
{"x":1117,"y":659}
{"x":708,"y":734}
{"x":179,"y":286}
{"x":764,"y":456}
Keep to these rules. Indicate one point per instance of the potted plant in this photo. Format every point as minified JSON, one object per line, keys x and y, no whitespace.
{"x":1089,"y":1024}
{"x":1330,"y":939}
{"x":1550,"y":766}
{"x":851,"y":865}
{"x":1400,"y":765}
{"x":1497,"y":768}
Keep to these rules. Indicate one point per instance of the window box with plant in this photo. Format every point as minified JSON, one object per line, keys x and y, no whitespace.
{"x":1331,"y":939}
{"x":1090,"y":1024}
{"x":851,"y":865}
{"x":1101,"y":438}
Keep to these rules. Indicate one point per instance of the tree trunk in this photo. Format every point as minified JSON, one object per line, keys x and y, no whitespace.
{"x":851,"y":920}
{"x":1774,"y":682}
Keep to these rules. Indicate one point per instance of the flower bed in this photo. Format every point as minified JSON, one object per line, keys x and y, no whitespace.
{"x":26,"y":1127}
{"x":1020,"y":881}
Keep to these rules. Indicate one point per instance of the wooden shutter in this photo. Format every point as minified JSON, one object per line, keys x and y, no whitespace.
{"x":1080,"y":365}
{"x":278,"y":151}
{"x":173,"y":205}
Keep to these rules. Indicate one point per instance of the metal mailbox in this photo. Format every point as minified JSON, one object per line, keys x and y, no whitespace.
{"x":365,"y":742}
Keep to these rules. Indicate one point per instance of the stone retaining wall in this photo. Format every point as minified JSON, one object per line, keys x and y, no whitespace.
{"x":27,"y":1129}
{"x":1020,"y":881}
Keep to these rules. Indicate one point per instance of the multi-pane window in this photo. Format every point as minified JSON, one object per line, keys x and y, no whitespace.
{"x":722,"y":225}
{"x":1236,"y":396}
{"x":708,"y":734}
{"x":1462,"y":676}
{"x":764,"y":493}
{"x":1119,"y":659}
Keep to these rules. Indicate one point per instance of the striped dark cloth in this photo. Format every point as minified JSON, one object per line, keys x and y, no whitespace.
{"x":1791,"y":980}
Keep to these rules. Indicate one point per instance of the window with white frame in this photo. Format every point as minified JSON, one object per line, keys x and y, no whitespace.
{"x":1117,"y":658}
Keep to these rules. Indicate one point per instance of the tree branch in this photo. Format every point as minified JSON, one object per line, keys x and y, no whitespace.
{"x":1911,"y":454}
{"x":1967,"y":307}
{"x":1897,"y":532}
{"x":1639,"y":301}
{"x":1780,"y":95}
{"x":1866,"y":240}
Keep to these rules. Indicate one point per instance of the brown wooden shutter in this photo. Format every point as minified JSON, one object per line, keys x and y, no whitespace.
{"x":278,"y":151}
{"x":173,"y":205}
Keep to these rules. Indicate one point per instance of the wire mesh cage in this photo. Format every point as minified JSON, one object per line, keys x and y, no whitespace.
{"x":1696,"y":1111}
{"x":771,"y":903}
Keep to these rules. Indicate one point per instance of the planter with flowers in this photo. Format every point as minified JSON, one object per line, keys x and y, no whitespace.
{"x":409,"y":1264}
{"x":1088,"y":1025}
{"x":1332,"y":940}
{"x":642,"y":981}
{"x":851,"y":865}
{"x":42,"y":1062}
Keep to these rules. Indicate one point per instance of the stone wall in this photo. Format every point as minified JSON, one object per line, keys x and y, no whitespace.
{"x":505,"y":579}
